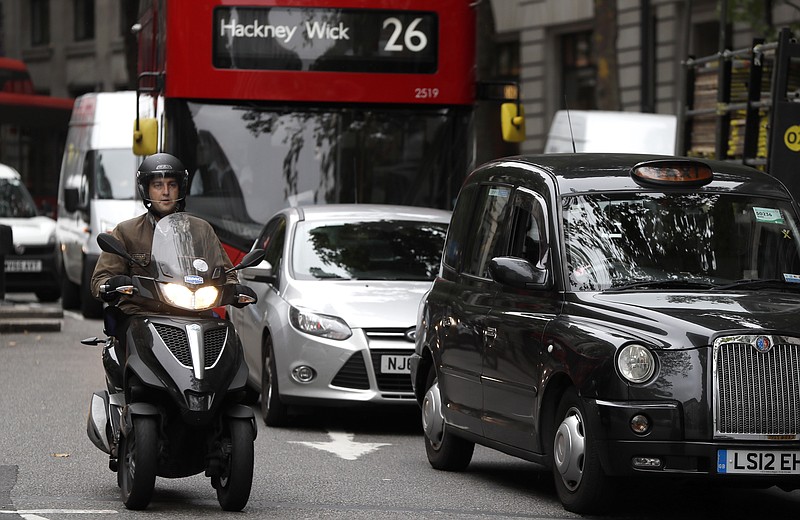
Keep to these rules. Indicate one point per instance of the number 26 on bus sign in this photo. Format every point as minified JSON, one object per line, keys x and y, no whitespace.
{"x":405,"y":38}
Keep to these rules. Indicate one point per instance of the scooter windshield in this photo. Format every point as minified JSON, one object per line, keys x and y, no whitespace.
{"x":186,"y":251}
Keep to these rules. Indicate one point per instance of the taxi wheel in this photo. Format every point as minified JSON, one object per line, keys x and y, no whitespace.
{"x":272,"y":409}
{"x":445,"y":451}
{"x":580,"y":481}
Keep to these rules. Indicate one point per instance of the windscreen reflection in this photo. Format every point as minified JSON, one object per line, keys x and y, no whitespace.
{"x":246,"y":163}
{"x":703,"y":239}
{"x":381,"y":250}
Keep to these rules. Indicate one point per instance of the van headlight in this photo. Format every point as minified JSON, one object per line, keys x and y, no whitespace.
{"x":183,"y":297}
{"x":320,"y":325}
{"x":636,"y":363}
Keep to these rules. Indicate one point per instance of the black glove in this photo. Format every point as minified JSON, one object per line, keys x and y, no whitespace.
{"x":111,"y":285}
{"x":243,"y":290}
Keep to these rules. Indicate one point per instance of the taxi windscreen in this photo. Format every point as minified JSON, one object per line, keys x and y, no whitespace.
{"x":681,"y":240}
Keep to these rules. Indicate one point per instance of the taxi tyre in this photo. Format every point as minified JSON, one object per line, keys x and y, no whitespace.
{"x":580,"y":481}
{"x":272,"y":409}
{"x":445,"y":451}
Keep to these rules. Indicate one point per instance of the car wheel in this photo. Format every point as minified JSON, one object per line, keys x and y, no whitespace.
{"x":445,"y":450}
{"x":273,"y":410}
{"x":581,"y":483}
{"x":233,"y":486}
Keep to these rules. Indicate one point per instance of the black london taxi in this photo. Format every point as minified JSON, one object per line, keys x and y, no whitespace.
{"x":612,"y":316}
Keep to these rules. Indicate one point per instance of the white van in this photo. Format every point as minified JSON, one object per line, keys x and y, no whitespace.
{"x":608,"y":131}
{"x":97,"y":189}
{"x":30,"y":264}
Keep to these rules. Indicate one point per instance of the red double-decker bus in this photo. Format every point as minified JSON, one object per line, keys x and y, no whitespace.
{"x":272,"y":103}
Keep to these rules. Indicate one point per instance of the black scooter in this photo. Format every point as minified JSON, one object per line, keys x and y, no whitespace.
{"x":172,"y":407}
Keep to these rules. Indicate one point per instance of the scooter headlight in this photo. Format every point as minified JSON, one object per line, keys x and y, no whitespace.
{"x":183,"y":297}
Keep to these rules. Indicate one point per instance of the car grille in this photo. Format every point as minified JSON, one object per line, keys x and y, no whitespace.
{"x":353,"y":374}
{"x":757,"y":393}
{"x":176,"y":341}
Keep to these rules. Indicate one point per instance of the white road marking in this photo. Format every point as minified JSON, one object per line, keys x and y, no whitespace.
{"x":32,"y":514}
{"x":342,"y":445}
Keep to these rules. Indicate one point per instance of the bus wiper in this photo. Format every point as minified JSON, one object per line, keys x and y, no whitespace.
{"x":663,"y":284}
{"x":757,"y":283}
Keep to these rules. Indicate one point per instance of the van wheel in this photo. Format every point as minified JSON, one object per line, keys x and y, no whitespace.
{"x":70,"y":293}
{"x":445,"y":451}
{"x":48,"y":295}
{"x":90,"y":308}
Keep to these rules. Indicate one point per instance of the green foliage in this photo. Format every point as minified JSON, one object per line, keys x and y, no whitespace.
{"x":756,"y":14}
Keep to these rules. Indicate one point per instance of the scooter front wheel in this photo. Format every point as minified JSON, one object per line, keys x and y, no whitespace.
{"x":138,"y":461}
{"x":233,"y":486}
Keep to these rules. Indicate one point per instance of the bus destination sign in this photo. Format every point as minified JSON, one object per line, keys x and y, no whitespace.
{"x":323,"y":39}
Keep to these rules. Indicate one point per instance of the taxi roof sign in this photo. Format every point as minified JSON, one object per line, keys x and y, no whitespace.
{"x":672,"y":172}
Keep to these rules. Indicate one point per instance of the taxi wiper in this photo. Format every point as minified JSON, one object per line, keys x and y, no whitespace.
{"x":663,"y":284}
{"x":758,"y":283}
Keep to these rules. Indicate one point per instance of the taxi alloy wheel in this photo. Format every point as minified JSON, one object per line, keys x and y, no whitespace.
{"x":581,"y":483}
{"x":445,"y":451}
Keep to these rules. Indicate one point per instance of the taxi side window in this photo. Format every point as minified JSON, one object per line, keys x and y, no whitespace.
{"x":528,"y":239}
{"x":489,"y":229}
{"x":460,"y":227}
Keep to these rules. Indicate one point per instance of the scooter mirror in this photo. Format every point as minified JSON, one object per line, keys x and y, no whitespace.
{"x":110,"y":244}
{"x":250,"y":259}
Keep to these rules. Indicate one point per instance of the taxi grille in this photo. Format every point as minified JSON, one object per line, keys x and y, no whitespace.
{"x":758,"y":393}
{"x":176,"y":341}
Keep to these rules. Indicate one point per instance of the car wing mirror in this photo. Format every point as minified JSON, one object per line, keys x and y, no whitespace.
{"x":262,"y":272}
{"x":517,"y":272}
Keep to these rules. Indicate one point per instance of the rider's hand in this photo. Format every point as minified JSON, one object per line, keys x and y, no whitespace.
{"x":243,"y":290}
{"x":112,"y":283}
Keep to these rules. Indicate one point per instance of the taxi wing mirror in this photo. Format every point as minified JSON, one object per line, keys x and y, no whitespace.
{"x":517,"y":272}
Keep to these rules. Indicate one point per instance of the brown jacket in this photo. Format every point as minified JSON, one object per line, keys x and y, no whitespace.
{"x":136,"y":235}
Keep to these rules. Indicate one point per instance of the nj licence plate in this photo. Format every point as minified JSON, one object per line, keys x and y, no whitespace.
{"x":395,"y":365}
{"x":23,"y":266}
{"x":758,"y":462}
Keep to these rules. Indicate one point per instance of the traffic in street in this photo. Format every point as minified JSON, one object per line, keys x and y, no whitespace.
{"x":331,"y":464}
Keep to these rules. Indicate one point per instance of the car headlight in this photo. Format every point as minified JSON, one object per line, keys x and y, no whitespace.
{"x":321,"y":325}
{"x":183,"y":297}
{"x":636,"y":363}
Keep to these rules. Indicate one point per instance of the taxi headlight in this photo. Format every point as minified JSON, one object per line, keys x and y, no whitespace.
{"x":636,"y":363}
{"x":183,"y":297}
{"x":320,"y":325}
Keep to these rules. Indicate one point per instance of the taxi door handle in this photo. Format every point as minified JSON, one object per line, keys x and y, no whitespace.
{"x":489,"y":334}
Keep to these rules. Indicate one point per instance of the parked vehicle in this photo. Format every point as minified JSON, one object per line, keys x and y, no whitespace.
{"x":174,"y":386}
{"x":97,"y":189}
{"x":338,"y":292}
{"x":31,"y":264}
{"x":616,"y":316}
{"x":611,"y":132}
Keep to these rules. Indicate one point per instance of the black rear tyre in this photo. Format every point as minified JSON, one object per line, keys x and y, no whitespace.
{"x":138,"y":462}
{"x":233,"y":486}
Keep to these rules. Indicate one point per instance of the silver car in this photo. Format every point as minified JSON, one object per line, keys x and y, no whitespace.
{"x":338,"y":293}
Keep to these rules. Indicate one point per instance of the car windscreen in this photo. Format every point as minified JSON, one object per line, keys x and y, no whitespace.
{"x":15,"y":201}
{"x":375,"y":250}
{"x":701,"y":240}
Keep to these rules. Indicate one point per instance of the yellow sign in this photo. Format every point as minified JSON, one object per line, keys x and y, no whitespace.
{"x":792,"y":138}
